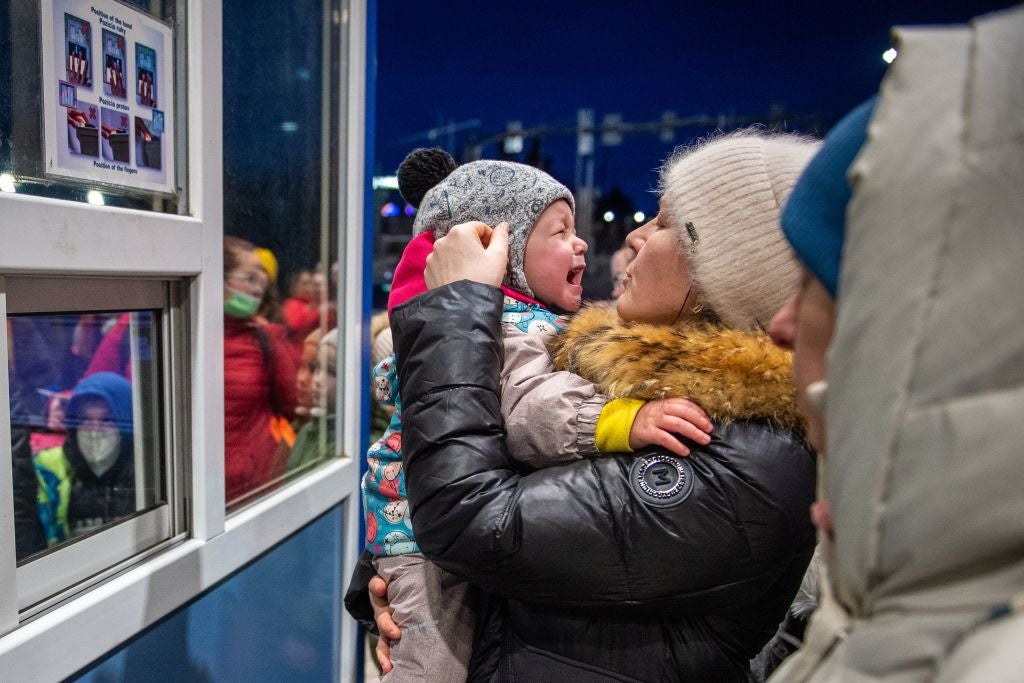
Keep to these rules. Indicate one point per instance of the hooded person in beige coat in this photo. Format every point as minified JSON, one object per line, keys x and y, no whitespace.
{"x":920,"y":507}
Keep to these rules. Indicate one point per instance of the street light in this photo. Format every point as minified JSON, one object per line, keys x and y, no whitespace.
{"x":608,"y":216}
{"x":889,"y":55}
{"x":385,"y":182}
{"x":639,"y":217}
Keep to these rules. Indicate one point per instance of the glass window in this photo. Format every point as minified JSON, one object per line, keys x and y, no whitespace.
{"x":86,"y":443}
{"x":280,"y":265}
{"x":92,"y":380}
{"x":100,"y":99}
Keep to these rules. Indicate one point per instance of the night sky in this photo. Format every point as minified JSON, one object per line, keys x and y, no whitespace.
{"x":538,"y":62}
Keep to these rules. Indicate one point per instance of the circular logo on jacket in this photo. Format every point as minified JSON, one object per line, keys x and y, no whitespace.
{"x":661,"y":480}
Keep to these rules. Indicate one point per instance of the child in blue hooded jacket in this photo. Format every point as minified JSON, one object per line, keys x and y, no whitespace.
{"x":89,"y":481}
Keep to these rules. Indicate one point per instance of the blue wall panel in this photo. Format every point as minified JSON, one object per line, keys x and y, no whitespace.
{"x":278,"y":619}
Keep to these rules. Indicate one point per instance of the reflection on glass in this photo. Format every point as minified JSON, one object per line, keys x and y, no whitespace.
{"x":280,"y":208}
{"x":84,"y":391}
{"x":259,"y":378}
{"x":278,"y":399}
{"x":316,"y":438}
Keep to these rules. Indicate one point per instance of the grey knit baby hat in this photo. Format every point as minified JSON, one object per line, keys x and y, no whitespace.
{"x":446,"y":194}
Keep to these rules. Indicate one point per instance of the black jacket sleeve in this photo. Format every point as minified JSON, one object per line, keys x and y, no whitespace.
{"x":580,"y":534}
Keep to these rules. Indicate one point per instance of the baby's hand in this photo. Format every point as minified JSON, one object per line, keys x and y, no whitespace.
{"x":659,"y":421}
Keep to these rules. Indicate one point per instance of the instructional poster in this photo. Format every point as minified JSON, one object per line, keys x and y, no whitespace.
{"x":107,"y":72}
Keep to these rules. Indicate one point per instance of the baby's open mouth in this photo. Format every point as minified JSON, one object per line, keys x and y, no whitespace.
{"x":575,"y":276}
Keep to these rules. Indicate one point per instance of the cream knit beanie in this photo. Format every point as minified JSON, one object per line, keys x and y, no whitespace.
{"x":724,"y":198}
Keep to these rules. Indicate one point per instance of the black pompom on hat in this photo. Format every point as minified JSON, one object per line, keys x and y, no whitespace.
{"x":421,"y":170}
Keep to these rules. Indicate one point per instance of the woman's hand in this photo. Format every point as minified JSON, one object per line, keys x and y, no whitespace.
{"x":470,"y":251}
{"x":385,"y":624}
{"x":659,"y":421}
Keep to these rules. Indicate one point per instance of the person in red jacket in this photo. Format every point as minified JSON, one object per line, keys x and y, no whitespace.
{"x":113,"y":353}
{"x":259,"y":379}
{"x":301,"y":310}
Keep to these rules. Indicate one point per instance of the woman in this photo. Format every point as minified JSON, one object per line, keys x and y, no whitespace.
{"x":300,"y":311}
{"x":633,"y":567}
{"x":259,"y":378}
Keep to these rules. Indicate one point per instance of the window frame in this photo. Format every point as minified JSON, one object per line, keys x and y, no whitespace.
{"x":43,"y":580}
{"x":46,"y":579}
{"x":41,"y":236}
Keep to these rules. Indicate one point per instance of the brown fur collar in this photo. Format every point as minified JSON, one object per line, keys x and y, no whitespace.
{"x":732,"y":374}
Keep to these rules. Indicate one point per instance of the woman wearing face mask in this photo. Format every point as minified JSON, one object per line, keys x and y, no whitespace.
{"x":259,"y":378}
{"x":90,"y":480}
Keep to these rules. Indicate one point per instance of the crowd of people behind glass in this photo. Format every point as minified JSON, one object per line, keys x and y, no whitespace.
{"x":72,"y":427}
{"x":78,"y":381}
{"x":279,"y":369}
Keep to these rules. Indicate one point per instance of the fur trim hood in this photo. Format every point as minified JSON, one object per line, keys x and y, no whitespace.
{"x":732,"y":374}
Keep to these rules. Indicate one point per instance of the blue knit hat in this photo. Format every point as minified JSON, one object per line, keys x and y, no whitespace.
{"x":112,"y":389}
{"x":814,"y":218}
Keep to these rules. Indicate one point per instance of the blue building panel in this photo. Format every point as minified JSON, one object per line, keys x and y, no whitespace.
{"x":278,"y":619}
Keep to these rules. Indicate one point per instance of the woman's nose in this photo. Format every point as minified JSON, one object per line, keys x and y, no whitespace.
{"x":636,"y":239}
{"x":782,"y":328}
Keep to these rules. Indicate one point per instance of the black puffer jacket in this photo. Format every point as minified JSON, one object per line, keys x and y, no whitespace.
{"x":591,"y":574}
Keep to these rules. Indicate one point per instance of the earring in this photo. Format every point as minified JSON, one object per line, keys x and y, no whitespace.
{"x":816,"y":393}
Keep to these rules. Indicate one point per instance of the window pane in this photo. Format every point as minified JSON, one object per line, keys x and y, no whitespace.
{"x":85,"y":430}
{"x":280,"y":153}
{"x":97,"y":113}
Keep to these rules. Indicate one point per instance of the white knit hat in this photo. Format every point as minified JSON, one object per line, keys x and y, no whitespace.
{"x":724,"y":197}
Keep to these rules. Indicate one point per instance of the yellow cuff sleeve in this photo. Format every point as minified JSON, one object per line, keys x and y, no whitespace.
{"x":612,"y":431}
